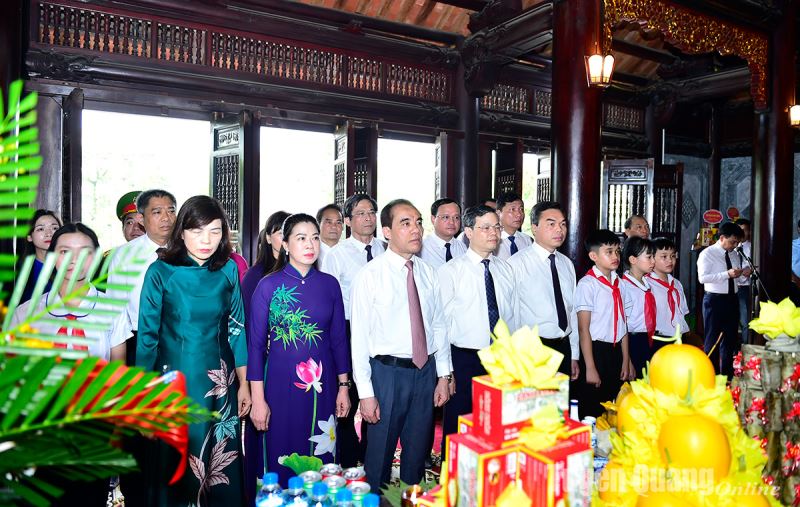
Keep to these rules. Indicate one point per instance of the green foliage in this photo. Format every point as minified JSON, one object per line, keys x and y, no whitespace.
{"x":288,"y":322}
{"x":61,"y":412}
{"x":300,"y":464}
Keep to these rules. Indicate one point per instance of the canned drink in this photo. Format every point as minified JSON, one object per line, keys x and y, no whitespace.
{"x":359,"y":490}
{"x":331,"y":469}
{"x":334,"y":483}
{"x":354,"y":474}
{"x":309,"y":479}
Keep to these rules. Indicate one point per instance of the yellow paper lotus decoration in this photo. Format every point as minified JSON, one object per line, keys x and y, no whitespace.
{"x":513,"y":496}
{"x":777,"y":319}
{"x":521,"y":357}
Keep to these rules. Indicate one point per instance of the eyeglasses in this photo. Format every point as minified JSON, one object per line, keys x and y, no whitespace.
{"x":363,"y":214}
{"x":486,"y":228}
{"x":447,"y":218}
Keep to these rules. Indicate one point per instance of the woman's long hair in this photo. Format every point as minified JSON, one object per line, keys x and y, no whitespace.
{"x":265,"y":257}
{"x":196,"y":213}
{"x":39,"y":213}
{"x":288,"y":226}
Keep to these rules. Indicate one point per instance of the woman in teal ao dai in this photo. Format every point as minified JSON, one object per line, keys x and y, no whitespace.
{"x":191,"y":319}
{"x":298,"y":353}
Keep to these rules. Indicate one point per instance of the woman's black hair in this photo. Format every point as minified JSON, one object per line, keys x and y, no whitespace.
{"x":288,"y":227}
{"x":71,"y":228}
{"x":636,"y":246}
{"x":264,"y":256}
{"x":197,"y":212}
{"x":39,"y":213}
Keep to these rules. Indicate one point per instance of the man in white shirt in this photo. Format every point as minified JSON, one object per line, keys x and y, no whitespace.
{"x":401,"y":356}
{"x":511,"y":211}
{"x":743,"y":292}
{"x":442,"y":246}
{"x":546,"y":281}
{"x":158,"y":212}
{"x":476,"y":290}
{"x":343,"y":262}
{"x":636,"y":225}
{"x":331,"y":224}
{"x":717,"y":270}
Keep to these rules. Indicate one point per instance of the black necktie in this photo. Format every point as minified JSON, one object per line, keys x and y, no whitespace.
{"x":514,"y":248}
{"x":447,"y":255}
{"x":559,"y":297}
{"x":368,"y":248}
{"x":728,"y":265}
{"x":491,"y":298}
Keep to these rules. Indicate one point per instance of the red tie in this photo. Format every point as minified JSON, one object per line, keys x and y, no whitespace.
{"x":68,"y":331}
{"x":649,"y":310}
{"x":670,"y":291}
{"x":619,"y":308}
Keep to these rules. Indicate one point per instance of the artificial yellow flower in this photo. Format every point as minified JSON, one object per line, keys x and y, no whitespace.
{"x":521,"y":357}
{"x":777,"y":319}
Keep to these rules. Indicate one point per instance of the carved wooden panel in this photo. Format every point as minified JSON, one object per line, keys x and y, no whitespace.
{"x":360,"y":175}
{"x":511,"y":99}
{"x":543,"y":192}
{"x":542,"y":103}
{"x":180,"y":44}
{"x":623,"y":117}
{"x":505,"y":182}
{"x":226,"y":185}
{"x":339,"y":183}
{"x":627,"y":189}
{"x":417,"y":82}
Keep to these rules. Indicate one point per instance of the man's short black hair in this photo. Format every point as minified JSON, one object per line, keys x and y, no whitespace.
{"x":629,"y":221}
{"x":743,"y":221}
{"x":472,"y":213}
{"x":665,"y":244}
{"x":599,"y":238}
{"x":322,"y":210}
{"x":507,"y":198}
{"x":441,"y":202}
{"x":143,"y":201}
{"x":537,"y":210}
{"x":353,"y":201}
{"x":731,"y":229}
{"x":387,"y":213}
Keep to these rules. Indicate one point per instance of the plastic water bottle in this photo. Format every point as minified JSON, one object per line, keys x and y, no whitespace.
{"x":344,"y":498}
{"x":573,"y":410}
{"x":295,"y":495}
{"x":270,"y":494}
{"x":371,"y":500}
{"x":319,"y":496}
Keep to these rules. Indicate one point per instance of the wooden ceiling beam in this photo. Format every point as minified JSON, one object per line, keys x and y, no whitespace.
{"x":471,"y":5}
{"x":643,"y":52}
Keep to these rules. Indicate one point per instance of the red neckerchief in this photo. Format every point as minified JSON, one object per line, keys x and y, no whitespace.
{"x":649,"y":309}
{"x":67,"y":331}
{"x":616,"y":295}
{"x":670,"y":290}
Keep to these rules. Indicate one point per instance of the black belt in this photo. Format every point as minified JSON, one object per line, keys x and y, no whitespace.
{"x":554,"y":339}
{"x":401,"y":362}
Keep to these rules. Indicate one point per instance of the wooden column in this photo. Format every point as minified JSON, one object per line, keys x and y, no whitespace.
{"x":774,"y":179}
{"x":251,"y":128}
{"x":11,"y":23}
{"x":465,"y":152}
{"x":715,"y":160}
{"x":575,"y":123}
{"x":72,"y":156}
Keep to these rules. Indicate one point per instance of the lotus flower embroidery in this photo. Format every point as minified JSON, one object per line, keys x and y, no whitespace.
{"x":310,"y":372}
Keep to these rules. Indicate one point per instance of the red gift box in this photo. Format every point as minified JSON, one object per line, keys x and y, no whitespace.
{"x":478,"y":471}
{"x":501,"y":411}
{"x":561,"y":474}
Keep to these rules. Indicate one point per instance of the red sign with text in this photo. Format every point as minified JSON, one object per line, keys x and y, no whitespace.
{"x":712,"y":216}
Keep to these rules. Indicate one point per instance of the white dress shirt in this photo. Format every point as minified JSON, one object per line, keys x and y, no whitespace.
{"x":116,"y":328}
{"x":537,"y":306}
{"x":380,"y":323}
{"x":712,"y":271}
{"x":142,"y":248}
{"x":323,"y":251}
{"x":635,"y":292}
{"x":665,"y":322}
{"x":747,"y":247}
{"x":521,"y":239}
{"x":462,"y":290}
{"x":591,"y":295}
{"x":345,"y":260}
{"x":433,"y":250}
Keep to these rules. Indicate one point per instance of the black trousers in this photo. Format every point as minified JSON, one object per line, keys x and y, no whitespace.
{"x":349,"y":448}
{"x":466,"y":364}
{"x":608,"y":361}
{"x":721,"y":315}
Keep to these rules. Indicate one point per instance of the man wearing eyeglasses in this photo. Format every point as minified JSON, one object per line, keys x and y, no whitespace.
{"x":545,"y":280}
{"x":331,"y":223}
{"x":343,"y":262}
{"x":441,"y":246}
{"x":476,"y":290}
